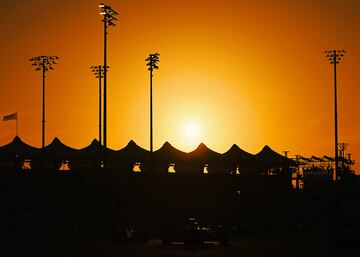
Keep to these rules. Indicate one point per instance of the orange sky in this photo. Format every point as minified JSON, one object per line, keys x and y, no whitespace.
{"x":249,"y":72}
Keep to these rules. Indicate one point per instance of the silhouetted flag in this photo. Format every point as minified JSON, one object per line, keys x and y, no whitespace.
{"x":10,"y":117}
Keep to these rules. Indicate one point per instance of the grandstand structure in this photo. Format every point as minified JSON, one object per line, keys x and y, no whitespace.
{"x":56,"y":158}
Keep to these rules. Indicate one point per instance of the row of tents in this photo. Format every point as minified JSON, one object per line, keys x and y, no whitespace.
{"x":132,"y":154}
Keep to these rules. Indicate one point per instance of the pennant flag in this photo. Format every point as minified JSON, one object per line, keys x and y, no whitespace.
{"x":10,"y":117}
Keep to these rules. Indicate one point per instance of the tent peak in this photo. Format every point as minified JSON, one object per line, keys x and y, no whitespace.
{"x":167,"y":144}
{"x":95,"y":141}
{"x":17,"y":139}
{"x":234,"y":146}
{"x":266,"y":147}
{"x":132,"y":143}
{"x":202,"y":145}
{"x":202,"y":148}
{"x":56,"y":140}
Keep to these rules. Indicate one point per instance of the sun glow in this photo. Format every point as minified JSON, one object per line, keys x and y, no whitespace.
{"x":191,"y":130}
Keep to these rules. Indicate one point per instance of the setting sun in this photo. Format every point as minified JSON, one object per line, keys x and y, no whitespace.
{"x":191,"y":130}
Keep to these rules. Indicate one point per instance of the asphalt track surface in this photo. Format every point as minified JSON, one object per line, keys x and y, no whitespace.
{"x":289,"y":244}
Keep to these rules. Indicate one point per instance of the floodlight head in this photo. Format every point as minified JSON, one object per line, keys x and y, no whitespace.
{"x":108,"y":13}
{"x":43,"y":62}
{"x":98,"y":70}
{"x":152,"y":61}
{"x":334,"y":56}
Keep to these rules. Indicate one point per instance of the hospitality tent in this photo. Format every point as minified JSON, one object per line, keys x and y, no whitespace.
{"x":13,"y":155}
{"x":132,"y":154}
{"x":167,"y":155}
{"x":237,"y":160}
{"x":205,"y":160}
{"x":59,"y":153}
{"x":90,"y":155}
{"x":268,"y":159}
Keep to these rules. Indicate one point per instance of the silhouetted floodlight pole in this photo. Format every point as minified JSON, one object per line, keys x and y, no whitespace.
{"x":152,"y":61}
{"x":98,"y":71}
{"x":108,"y":18}
{"x":334,"y":56}
{"x":43,"y":63}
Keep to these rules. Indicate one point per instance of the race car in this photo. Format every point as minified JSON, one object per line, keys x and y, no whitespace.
{"x":194,"y":234}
